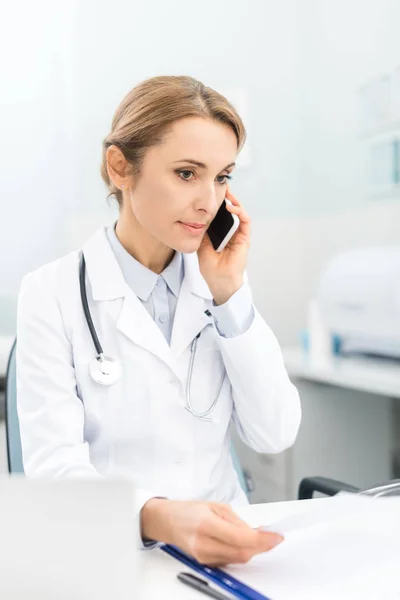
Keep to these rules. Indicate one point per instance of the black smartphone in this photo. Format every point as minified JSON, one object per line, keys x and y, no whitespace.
{"x":222,"y":227}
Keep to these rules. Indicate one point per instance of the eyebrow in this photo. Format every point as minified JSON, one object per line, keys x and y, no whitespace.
{"x":200,"y":164}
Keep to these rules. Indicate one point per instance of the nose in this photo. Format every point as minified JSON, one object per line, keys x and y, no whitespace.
{"x":207,"y":200}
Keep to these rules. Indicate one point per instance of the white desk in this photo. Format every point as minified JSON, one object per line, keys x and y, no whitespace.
{"x":372,"y":375}
{"x":363,"y":566}
{"x":159,"y":570}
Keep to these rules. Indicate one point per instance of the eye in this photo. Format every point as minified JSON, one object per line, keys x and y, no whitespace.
{"x":185,"y":174}
{"x":223,"y":178}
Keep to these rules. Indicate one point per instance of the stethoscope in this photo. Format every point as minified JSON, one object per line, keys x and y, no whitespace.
{"x":107,"y":371}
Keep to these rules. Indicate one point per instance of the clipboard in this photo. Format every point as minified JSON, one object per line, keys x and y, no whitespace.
{"x":230,"y":584}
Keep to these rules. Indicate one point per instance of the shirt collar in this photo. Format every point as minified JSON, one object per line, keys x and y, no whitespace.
{"x":141,"y":279}
{"x":173,"y":274}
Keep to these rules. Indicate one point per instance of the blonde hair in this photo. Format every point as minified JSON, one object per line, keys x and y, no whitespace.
{"x":144,"y":115}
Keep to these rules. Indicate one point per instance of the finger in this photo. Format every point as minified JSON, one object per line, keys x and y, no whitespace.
{"x":231,"y":197}
{"x":213,"y":552}
{"x":242,"y":537}
{"x":245,"y":224}
{"x":239,"y":211}
{"x":226,"y":512}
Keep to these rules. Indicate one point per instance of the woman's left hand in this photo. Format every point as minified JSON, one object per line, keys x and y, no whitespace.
{"x":223,"y":271}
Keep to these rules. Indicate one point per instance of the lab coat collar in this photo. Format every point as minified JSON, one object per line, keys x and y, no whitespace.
{"x":108,"y":283}
{"x":190,"y":316}
{"x":174,"y":273}
{"x":103,"y":271}
{"x":193,"y":278}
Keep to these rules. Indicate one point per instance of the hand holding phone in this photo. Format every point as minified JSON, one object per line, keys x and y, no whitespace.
{"x":223,"y":252}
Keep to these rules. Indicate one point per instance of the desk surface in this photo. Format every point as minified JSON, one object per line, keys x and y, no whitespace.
{"x":159,"y":571}
{"x":372,"y":375}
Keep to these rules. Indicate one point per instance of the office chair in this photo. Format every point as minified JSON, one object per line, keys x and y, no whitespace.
{"x":330,"y":487}
{"x":14,"y":452}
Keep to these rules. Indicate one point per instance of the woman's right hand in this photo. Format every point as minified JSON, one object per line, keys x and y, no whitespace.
{"x":210,"y":532}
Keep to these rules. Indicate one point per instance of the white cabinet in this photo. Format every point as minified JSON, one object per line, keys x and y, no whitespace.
{"x":344,"y":434}
{"x":350,"y":428}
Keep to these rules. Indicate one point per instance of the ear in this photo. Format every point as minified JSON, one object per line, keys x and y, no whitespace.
{"x":117,"y":166}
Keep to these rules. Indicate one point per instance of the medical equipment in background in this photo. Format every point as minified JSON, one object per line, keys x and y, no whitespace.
{"x":359,"y":300}
{"x":319,"y":337}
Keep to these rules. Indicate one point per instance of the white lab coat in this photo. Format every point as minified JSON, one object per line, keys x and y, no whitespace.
{"x":139,"y":427}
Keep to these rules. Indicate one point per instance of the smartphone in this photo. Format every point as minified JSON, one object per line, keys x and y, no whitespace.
{"x":222,"y":227}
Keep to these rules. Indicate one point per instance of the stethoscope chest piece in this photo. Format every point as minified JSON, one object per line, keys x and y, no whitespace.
{"x":105,"y":370}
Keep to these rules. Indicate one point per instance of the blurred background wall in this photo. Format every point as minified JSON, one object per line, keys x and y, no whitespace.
{"x":295,"y":69}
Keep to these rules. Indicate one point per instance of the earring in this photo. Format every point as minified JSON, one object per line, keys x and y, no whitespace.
{"x":123,"y":185}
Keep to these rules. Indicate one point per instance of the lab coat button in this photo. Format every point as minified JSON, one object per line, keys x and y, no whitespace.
{"x":162,"y":318}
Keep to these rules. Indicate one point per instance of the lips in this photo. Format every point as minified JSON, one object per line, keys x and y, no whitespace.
{"x":195,"y":225}
{"x":193,"y":228}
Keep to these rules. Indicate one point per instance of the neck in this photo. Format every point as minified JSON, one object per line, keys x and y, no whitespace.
{"x":140,"y":244}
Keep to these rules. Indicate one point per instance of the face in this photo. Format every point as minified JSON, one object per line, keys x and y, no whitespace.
{"x":182,"y":182}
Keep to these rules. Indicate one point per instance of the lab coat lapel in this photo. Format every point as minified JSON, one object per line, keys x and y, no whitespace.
{"x":136,"y":323}
{"x":108,"y":283}
{"x":190,"y":317}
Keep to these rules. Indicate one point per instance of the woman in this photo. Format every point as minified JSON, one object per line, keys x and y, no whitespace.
{"x":178,"y":317}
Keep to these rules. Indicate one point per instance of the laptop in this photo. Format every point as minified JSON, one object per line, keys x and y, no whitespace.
{"x":68,"y":539}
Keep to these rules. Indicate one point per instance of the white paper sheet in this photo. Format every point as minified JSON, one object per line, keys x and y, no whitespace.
{"x":340,"y":506}
{"x":347,"y":548}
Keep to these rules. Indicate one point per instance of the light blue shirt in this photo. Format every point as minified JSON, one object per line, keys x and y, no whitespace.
{"x":159,"y":293}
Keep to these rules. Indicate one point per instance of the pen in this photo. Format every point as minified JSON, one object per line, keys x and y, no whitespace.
{"x":227,"y":582}
{"x":202,"y":586}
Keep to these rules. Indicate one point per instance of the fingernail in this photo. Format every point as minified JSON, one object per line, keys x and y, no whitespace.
{"x":278,"y":539}
{"x":273,"y":538}
{"x":266,"y":529}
